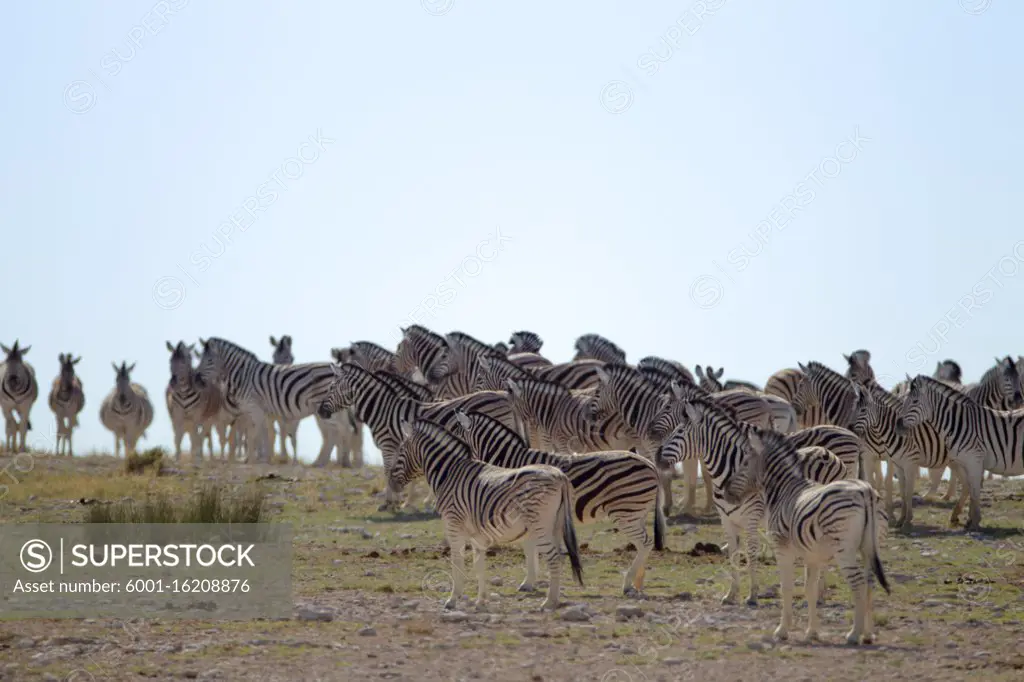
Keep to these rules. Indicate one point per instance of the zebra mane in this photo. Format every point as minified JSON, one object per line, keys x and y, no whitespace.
{"x":419,"y":331}
{"x":223,"y":344}
{"x":944,"y":390}
{"x":817,"y":369}
{"x":472,"y":343}
{"x":403,"y":387}
{"x":621,"y":369}
{"x":371,"y":346}
{"x":436,"y":434}
{"x":494,"y":426}
{"x":1003,"y":365}
{"x":542,"y":384}
{"x":589,"y":340}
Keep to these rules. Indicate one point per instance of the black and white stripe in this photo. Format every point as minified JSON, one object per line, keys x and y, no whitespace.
{"x":193,"y":410}
{"x":618,"y":485}
{"x":126,"y":411}
{"x":66,"y":400}
{"x":525,"y":342}
{"x":841,"y":521}
{"x":486,"y":505}
{"x":18,"y":392}
{"x":597,"y":347}
{"x":423,"y":350}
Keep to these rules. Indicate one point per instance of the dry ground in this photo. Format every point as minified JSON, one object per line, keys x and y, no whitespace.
{"x":956,"y":608}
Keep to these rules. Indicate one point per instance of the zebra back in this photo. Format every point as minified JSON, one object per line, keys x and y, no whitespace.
{"x":597,"y":347}
{"x":405,"y":387}
{"x":422,"y":349}
{"x":835,"y":395}
{"x":670,"y":368}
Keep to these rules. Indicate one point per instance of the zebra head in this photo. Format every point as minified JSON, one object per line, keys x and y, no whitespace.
{"x":709,"y":379}
{"x":415,"y":438}
{"x":1009,"y":382}
{"x":343,"y":391}
{"x":524,"y":342}
{"x":282,"y":350}
{"x":948,"y":371}
{"x":123,"y":379}
{"x":424,"y":350}
{"x":342,"y":355}
{"x":916,"y":406}
{"x":767,"y":452}
{"x":671,"y":368}
{"x":67,"y":371}
{"x":211,"y":368}
{"x":181,"y":363}
{"x":617,"y":384}
{"x":859,"y":369}
{"x":683,"y":441}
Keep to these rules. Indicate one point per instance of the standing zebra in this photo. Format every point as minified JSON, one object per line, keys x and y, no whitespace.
{"x":670,"y":368}
{"x":487,"y":505}
{"x":18,"y":392}
{"x":288,"y":429}
{"x":126,"y":411}
{"x":618,"y":485}
{"x":979,"y":438}
{"x":66,"y":400}
{"x":193,"y":410}
{"x":383,"y":408}
{"x":711,"y":434}
{"x":841,"y":521}
{"x":423,"y":350}
{"x":596,"y":347}
{"x":784,"y":384}
{"x":261,"y":389}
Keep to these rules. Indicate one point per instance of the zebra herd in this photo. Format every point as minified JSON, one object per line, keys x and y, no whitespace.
{"x":514,"y":446}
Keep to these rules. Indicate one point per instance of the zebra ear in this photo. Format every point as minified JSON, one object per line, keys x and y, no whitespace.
{"x":202,"y":342}
{"x":692,"y":412}
{"x":721,"y":371}
{"x":132,"y":368}
{"x":76,"y":360}
{"x":272,"y":341}
{"x":848,"y":359}
{"x":803,"y":368}
{"x":406,"y":428}
{"x":463,"y":420}
{"x":61,"y":358}
{"x":25,"y":350}
{"x":170,"y":347}
{"x":677,"y":390}
{"x":114,"y":365}
{"x":700,"y":372}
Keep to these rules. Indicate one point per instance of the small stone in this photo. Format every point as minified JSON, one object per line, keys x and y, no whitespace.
{"x":454,"y":617}
{"x":369,"y":574}
{"x":672,"y":661}
{"x":406,"y":536}
{"x":311,"y":613}
{"x":496,"y":580}
{"x":410,"y":605}
{"x":575,"y":614}
{"x":368,"y":632}
{"x":755,"y":646}
{"x":624,"y":613}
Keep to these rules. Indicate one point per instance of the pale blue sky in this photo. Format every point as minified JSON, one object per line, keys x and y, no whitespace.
{"x":448,"y":126}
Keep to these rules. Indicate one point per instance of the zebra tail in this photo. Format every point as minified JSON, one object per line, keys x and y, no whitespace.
{"x":871,"y":542}
{"x":569,"y":532}
{"x":28,"y":422}
{"x":659,"y":522}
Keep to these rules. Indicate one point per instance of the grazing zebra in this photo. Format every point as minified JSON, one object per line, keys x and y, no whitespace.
{"x":921,"y":446}
{"x":486,"y":505}
{"x":525,"y":342}
{"x":193,"y":410}
{"x":66,"y":400}
{"x":423,"y":350}
{"x":383,"y":408}
{"x":670,"y":368}
{"x":262,"y":389}
{"x":979,"y":438}
{"x":18,"y":392}
{"x":596,"y":347}
{"x":126,"y":411}
{"x":289,"y":429}
{"x":711,"y":434}
{"x":619,"y":485}
{"x":841,"y":521}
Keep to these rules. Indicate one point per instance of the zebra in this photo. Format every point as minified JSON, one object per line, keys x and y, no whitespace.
{"x":126,"y":411}
{"x":382,"y":408}
{"x":670,"y":368}
{"x":289,"y":430}
{"x":979,"y":438}
{"x":423,"y":350}
{"x":524,"y":342}
{"x":487,"y":505}
{"x":784,"y":384}
{"x":840,"y":521}
{"x":66,"y":400}
{"x":501,"y":347}
{"x":619,"y":485}
{"x":193,"y":410}
{"x":711,"y":434}
{"x":709,"y":379}
{"x":464,"y":353}
{"x":261,"y":389}
{"x":922,"y":446}
{"x":596,"y":347}
{"x":562,"y":420}
{"x":18,"y":392}
{"x":493,"y":372}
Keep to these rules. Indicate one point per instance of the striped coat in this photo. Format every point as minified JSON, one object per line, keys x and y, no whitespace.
{"x":126,"y":411}
{"x":66,"y":400}
{"x":18,"y":392}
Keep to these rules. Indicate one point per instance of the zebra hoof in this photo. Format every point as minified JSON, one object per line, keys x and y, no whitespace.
{"x":633,"y":593}
{"x":751,"y":602}
{"x":852,"y":639}
{"x":527,"y":587}
{"x":729,"y":599}
{"x":811,"y":636}
{"x":781,"y":634}
{"x":451,"y":604}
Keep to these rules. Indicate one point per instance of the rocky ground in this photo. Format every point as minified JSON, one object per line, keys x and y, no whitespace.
{"x":368,"y":587}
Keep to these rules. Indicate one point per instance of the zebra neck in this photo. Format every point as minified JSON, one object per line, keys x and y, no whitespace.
{"x":445,"y":469}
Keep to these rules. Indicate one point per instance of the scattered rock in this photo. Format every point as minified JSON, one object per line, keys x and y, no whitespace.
{"x":496,"y":580}
{"x":575,"y":614}
{"x":672,"y":661}
{"x":368,"y":632}
{"x":454,"y":617}
{"x":315,"y":613}
{"x":624,"y":613}
{"x":756,"y":646}
{"x":705,"y":548}
{"x":410,"y":605}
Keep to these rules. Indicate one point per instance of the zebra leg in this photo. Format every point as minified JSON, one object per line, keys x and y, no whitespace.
{"x":753,"y":545}
{"x":690,"y":478}
{"x":950,"y":486}
{"x":530,"y":549}
{"x":665,"y":481}
{"x":457,"y":548}
{"x":958,"y":475}
{"x":356,"y":447}
{"x":633,"y":526}
{"x":179,"y":434}
{"x":907,"y":493}
{"x":195,"y":442}
{"x":709,"y":491}
{"x":68,"y":440}
{"x":934,"y":478}
{"x":479,"y":565}
{"x":732,"y":534}
{"x":548,"y":546}
{"x":853,"y":570}
{"x":785,"y":560}
{"x":890,"y":505}
{"x":975,"y":473}
{"x":811,"y":585}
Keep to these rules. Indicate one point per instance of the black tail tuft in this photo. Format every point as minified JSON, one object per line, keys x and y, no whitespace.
{"x":659,"y":522}
{"x":569,"y":534}
{"x":876,"y":566}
